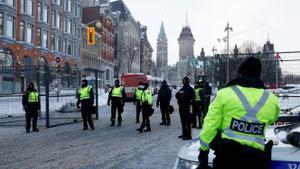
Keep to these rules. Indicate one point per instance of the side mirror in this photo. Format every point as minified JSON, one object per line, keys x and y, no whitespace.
{"x":293,"y":136}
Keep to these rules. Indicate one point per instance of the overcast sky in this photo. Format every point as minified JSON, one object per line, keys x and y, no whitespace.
{"x":250,"y":19}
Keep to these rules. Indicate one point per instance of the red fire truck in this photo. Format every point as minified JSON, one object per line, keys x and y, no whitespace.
{"x":130,"y":82}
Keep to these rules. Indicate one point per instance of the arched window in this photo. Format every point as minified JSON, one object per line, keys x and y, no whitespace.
{"x":6,"y":58}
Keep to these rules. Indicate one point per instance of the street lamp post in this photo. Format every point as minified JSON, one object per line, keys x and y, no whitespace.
{"x":227,"y":29}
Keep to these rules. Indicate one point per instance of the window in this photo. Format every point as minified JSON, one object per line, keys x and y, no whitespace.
{"x":22,"y":6}
{"x":58,"y":21}
{"x":78,"y":10}
{"x":69,"y":48}
{"x":59,"y":43}
{"x":45,"y":14}
{"x":54,"y":18}
{"x":10,"y":29}
{"x":66,"y":24}
{"x":22,"y":31}
{"x":107,"y":74}
{"x":29,"y":33}
{"x":69,"y":5}
{"x":11,"y":3}
{"x":30,"y":7}
{"x":69,"y":26}
{"x":65,"y":45}
{"x":1,"y":23}
{"x":45,"y":39}
{"x":39,"y":37}
{"x":40,"y":11}
{"x":53,"y":39}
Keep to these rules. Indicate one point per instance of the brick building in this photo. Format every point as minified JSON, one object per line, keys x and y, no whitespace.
{"x":36,"y":32}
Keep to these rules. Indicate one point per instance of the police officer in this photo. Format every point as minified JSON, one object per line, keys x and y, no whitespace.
{"x":241,"y":113}
{"x":118,"y":96}
{"x":86,"y":99}
{"x":205,"y":100}
{"x":137,"y":100}
{"x":185,"y":97}
{"x":163,"y":100}
{"x":146,"y":101}
{"x":31,"y":104}
{"x":197,"y":105}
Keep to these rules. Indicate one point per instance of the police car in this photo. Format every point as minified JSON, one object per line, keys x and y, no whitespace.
{"x":284,"y":155}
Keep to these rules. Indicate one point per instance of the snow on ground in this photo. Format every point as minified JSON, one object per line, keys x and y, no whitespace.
{"x":104,"y":148}
{"x":12,"y":105}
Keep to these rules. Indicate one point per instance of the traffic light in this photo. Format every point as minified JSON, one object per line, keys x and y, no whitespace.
{"x":91,"y":36}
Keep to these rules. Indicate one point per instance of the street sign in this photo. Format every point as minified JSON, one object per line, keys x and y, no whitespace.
{"x":193,"y":61}
{"x":57,"y":59}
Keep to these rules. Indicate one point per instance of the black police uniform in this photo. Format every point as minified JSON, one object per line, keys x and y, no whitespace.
{"x":31,"y":110}
{"x":185,"y":97}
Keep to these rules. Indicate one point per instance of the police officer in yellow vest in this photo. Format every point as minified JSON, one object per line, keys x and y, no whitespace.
{"x":86,"y":99}
{"x":197,"y":106}
{"x":31,"y":104}
{"x":118,"y":96}
{"x":137,"y":100}
{"x":146,"y":101}
{"x":240,"y":113}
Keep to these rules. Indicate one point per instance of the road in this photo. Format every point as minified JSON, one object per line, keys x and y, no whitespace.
{"x":104,"y":148}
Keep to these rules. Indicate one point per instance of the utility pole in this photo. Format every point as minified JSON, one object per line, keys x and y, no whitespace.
{"x":227,"y":29}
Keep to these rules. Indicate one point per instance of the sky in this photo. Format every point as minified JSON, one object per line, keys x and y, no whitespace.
{"x":255,"y":20}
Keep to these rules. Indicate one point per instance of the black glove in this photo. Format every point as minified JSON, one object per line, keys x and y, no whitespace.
{"x":108,"y":103}
{"x":134,"y":103}
{"x":157,"y":104}
{"x":78,"y":107}
{"x":203,"y":159}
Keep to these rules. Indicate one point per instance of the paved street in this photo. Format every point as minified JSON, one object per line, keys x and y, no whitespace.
{"x":106,"y":147}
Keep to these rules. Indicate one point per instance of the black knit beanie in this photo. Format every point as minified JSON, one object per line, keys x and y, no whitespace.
{"x":250,"y":67}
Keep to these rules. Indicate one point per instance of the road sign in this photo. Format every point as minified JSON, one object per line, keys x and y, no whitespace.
{"x":57,"y":59}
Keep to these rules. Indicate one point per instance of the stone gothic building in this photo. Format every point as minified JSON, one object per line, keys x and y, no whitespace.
{"x":162,"y":54}
{"x":186,"y":53}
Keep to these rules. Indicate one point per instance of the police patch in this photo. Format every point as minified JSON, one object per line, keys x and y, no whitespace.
{"x":246,"y":127}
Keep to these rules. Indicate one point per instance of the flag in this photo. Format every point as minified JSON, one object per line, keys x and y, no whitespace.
{"x":277,"y":57}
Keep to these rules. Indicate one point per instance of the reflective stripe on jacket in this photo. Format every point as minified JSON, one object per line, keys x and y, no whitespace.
{"x":147,"y":97}
{"x":242,"y":114}
{"x":33,"y":97}
{"x":85,"y":93}
{"x":117,"y":92}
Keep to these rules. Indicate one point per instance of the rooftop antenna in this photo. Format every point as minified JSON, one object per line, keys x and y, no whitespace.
{"x":186,"y":18}
{"x":268,"y":40}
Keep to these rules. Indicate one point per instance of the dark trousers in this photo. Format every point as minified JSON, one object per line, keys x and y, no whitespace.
{"x":233,"y":155}
{"x":205,"y":106}
{"x":114,"y":107}
{"x":165,"y":116}
{"x":185,"y":118}
{"x":138,"y":110}
{"x":31,"y":114}
{"x":86,"y":113}
{"x":196,"y":113}
{"x":146,"y":119}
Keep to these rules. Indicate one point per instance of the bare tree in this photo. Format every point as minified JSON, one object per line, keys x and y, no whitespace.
{"x":249,"y":47}
{"x":131,"y":57}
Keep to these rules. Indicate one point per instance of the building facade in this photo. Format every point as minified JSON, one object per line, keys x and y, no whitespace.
{"x":146,"y":52}
{"x":101,"y":13}
{"x":36,"y":32}
{"x":162,"y":54}
{"x":186,"y":54}
{"x":128,"y":39}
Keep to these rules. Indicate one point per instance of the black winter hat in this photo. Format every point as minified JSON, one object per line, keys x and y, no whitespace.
{"x":250,"y":67}
{"x":186,"y":79}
